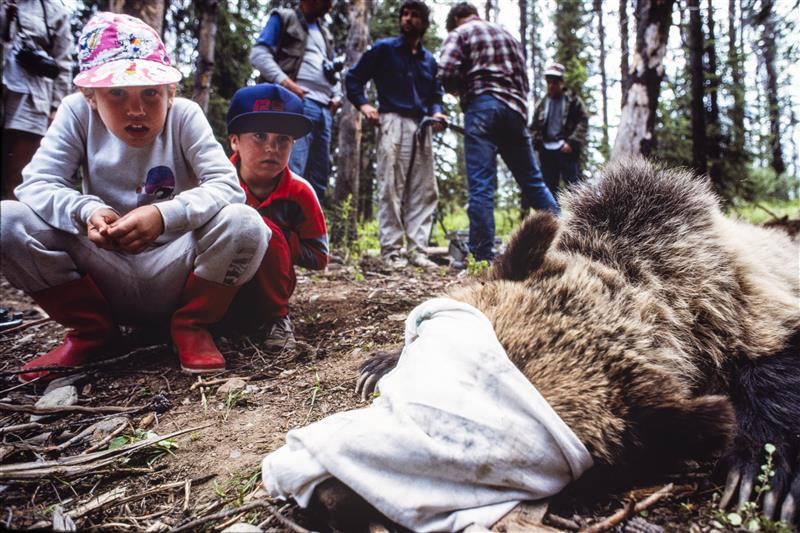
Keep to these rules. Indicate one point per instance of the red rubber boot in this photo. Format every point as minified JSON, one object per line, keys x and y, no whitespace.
{"x":80,"y":306}
{"x":203,"y":303}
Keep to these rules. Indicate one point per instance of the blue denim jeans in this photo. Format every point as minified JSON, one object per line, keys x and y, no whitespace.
{"x":491,"y":127}
{"x":311,"y":155}
{"x":557,"y":166}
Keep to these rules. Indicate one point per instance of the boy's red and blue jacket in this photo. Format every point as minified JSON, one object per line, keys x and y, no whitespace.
{"x":293,"y":209}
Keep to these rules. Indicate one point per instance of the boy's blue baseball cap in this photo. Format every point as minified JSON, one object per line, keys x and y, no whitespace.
{"x":268,"y":108}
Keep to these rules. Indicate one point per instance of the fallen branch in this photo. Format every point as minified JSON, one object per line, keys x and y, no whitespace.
{"x":218,"y":381}
{"x":107,"y":438}
{"x":78,"y":465}
{"x":19,"y":427}
{"x":194,"y":524}
{"x":628,"y":511}
{"x":30,"y":409}
{"x":26,"y":325}
{"x":88,"y":366}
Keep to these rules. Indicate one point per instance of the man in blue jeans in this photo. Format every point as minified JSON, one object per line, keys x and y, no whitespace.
{"x":484,"y":65}
{"x":295,"y":51}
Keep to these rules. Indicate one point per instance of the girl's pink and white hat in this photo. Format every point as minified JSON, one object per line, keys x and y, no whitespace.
{"x":117,"y":50}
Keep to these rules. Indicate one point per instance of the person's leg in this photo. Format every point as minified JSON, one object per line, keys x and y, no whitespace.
{"x":23,"y":129}
{"x":517,"y":152}
{"x":318,"y":167}
{"x":568,"y":164}
{"x":230,"y":248}
{"x":18,"y":150}
{"x":391,"y":178}
{"x":550,"y":169}
{"x":35,"y":259}
{"x":420,"y":200}
{"x":298,"y":160}
{"x":480,"y":154}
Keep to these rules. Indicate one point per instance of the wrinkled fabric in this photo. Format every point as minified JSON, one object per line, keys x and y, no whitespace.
{"x":458,"y":435}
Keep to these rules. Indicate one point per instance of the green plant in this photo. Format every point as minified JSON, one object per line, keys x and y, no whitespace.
{"x":747,"y":516}
{"x":150,"y":454}
{"x":232,"y":399}
{"x":314,"y":391}
{"x":476,"y":268}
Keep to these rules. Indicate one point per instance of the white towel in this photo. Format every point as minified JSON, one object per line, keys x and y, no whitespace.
{"x":458,"y":435}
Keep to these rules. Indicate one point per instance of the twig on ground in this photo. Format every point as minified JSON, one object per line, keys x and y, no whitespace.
{"x":218,"y":381}
{"x":247,"y":507}
{"x":20,"y":427}
{"x":629,"y":510}
{"x":26,"y":325}
{"x":561,"y":522}
{"x":107,"y":438}
{"x":81,"y":464}
{"x":30,"y":409}
{"x":88,"y":366}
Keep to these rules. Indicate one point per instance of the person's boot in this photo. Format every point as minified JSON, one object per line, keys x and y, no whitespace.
{"x":202,"y":303}
{"x":80,"y":306}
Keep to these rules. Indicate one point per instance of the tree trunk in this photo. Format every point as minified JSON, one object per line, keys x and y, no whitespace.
{"x":523,"y":26}
{"x":150,"y":11}
{"x":206,"y":37}
{"x":624,"y":69}
{"x":736,"y":113}
{"x":349,"y":160}
{"x":696,"y":74}
{"x":535,"y":56}
{"x":769,"y":51}
{"x":635,"y":132}
{"x":713,"y":127}
{"x":601,"y":32}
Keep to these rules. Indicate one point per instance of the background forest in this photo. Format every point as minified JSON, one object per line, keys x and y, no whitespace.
{"x":720,"y":76}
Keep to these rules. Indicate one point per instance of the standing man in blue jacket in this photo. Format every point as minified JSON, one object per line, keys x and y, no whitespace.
{"x":295,"y":51}
{"x":404,"y":73}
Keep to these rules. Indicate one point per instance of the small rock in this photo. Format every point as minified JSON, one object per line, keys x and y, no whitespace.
{"x":104,"y":427}
{"x":72,"y":379}
{"x":242,"y":527}
{"x":62,"y":396}
{"x":147,"y":420}
{"x":251,"y":389}
{"x":186,"y":401}
{"x":232,"y":385}
{"x":398,"y":317}
{"x":235,"y":453}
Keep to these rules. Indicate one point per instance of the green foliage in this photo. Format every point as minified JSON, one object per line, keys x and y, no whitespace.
{"x":747,"y":517}
{"x":476,"y":268}
{"x":148,"y":455}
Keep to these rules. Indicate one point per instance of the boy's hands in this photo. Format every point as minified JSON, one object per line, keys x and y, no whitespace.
{"x":98,"y":226}
{"x":134,"y":231}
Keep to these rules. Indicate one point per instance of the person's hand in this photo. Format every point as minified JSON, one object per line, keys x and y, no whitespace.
{"x":441,"y":121}
{"x":134,"y":231}
{"x":334,"y":105}
{"x":296,"y":89}
{"x":371,"y":113}
{"x":97,"y":228}
{"x":566,"y":149}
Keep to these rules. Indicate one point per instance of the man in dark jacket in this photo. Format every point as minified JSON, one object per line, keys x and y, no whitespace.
{"x":559,"y":130}
{"x":295,"y":50}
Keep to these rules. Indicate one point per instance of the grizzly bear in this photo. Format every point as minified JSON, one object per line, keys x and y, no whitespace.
{"x":658,"y":329}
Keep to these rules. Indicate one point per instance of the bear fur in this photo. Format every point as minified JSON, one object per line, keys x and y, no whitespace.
{"x":657,"y":328}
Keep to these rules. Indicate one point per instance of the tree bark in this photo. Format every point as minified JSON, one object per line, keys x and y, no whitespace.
{"x":696,"y":74}
{"x":769,"y":51}
{"x":624,"y":68}
{"x":523,"y":26}
{"x":150,"y":11}
{"x":713,"y":127}
{"x":349,"y":160}
{"x":601,"y":32}
{"x":206,"y":38}
{"x":635,"y":133}
{"x":736,"y":112}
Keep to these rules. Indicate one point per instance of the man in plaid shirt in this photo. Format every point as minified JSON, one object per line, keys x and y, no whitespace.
{"x":484,"y":66}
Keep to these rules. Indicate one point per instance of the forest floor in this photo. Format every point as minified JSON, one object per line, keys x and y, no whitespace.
{"x":213,"y":469}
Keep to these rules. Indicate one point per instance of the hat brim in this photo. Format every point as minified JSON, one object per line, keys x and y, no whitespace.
{"x":553,"y":74}
{"x":128,"y":73}
{"x":292,"y":124}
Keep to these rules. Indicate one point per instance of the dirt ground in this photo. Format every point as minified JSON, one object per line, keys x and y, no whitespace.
{"x":340,"y":316}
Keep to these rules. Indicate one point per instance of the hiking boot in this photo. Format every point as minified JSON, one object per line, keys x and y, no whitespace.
{"x":395,"y":261}
{"x":422,"y":261}
{"x":281,"y":336}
